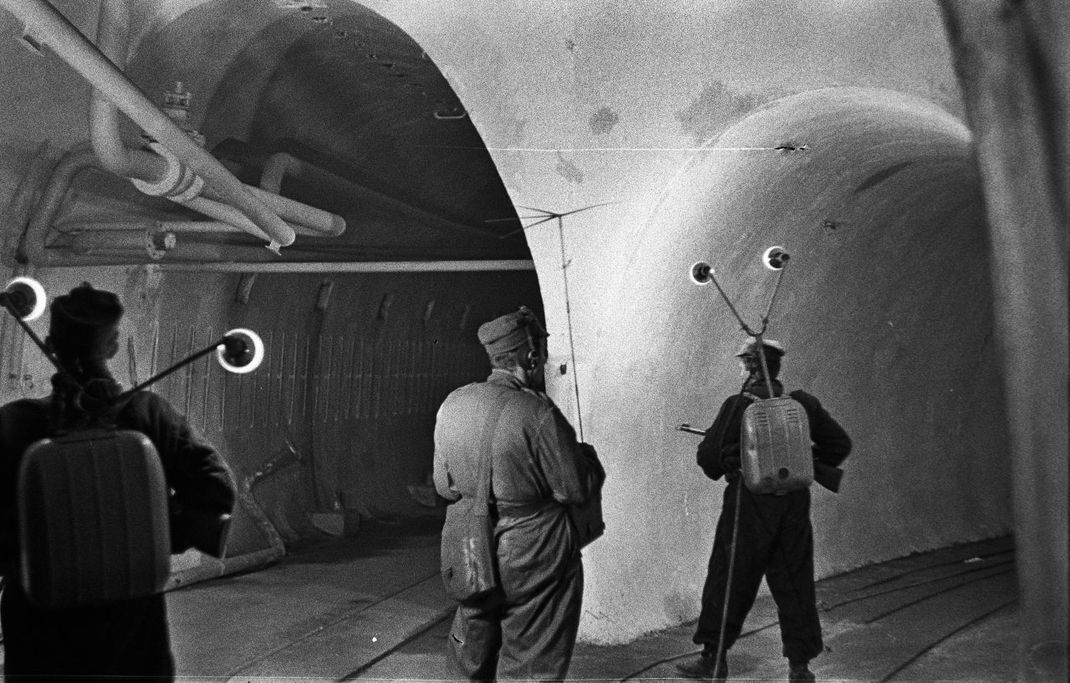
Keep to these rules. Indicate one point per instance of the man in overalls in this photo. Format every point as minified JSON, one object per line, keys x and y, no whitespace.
{"x":526,"y":628}
{"x":775,"y":539}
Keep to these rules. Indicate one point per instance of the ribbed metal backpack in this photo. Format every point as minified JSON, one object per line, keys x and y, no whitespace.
{"x":93,"y":519}
{"x":775,"y":448}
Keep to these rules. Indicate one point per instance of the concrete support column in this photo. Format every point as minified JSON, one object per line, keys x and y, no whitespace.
{"x":1014,"y":70}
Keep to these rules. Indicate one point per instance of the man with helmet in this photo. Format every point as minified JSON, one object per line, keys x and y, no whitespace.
{"x":774,"y":538}
{"x":128,"y":638}
{"x":526,"y":627}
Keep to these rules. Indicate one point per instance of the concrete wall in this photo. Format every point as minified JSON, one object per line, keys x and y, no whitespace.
{"x":1015,"y":68}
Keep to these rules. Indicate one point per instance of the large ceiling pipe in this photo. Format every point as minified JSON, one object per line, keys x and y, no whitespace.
{"x":282,"y":164}
{"x":149,"y":242}
{"x":356,"y":267}
{"x":112,"y":30}
{"x":50,"y":27}
{"x":314,"y":221}
{"x":215,"y":227}
{"x":154,"y":244}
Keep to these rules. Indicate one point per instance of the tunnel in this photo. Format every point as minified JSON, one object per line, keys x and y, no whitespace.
{"x":365,"y":332}
{"x":579,"y":158}
{"x":875,"y":197}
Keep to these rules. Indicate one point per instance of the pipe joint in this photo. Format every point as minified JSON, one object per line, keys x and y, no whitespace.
{"x":178,"y":182}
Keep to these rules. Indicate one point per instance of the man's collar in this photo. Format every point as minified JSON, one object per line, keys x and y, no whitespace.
{"x":759,"y":388}
{"x":505,"y":378}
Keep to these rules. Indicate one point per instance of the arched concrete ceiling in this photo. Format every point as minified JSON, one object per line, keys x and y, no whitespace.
{"x":355,"y":97}
{"x":392,"y":149}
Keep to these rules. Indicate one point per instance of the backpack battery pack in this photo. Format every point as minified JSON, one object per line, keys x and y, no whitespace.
{"x":775,"y":449}
{"x":93,"y":519}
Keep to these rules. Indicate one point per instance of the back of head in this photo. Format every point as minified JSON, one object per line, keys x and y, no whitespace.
{"x":508,"y":338}
{"x":83,"y":331}
{"x":773,"y":351}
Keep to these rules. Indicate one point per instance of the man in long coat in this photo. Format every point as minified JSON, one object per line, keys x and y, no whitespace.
{"x":129,"y":638}
{"x":526,"y":628}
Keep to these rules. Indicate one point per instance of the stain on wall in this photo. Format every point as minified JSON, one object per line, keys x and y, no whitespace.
{"x":603,"y":120}
{"x":715,"y":108}
{"x":568,"y":170}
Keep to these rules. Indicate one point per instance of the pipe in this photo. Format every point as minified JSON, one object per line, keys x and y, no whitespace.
{"x":330,"y":225}
{"x":49,"y":26}
{"x":188,"y":254}
{"x":224,"y":213}
{"x":31,"y":247}
{"x":216,"y":227}
{"x":152,"y":243}
{"x":316,"y":221}
{"x":113,"y":27}
{"x":282,"y":163}
{"x":356,"y":267}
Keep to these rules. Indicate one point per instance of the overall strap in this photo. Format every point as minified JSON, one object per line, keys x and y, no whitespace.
{"x":483,"y":464}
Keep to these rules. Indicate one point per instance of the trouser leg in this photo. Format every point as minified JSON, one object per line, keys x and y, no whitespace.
{"x":747,"y":572}
{"x":475,"y":639}
{"x":791,"y":581}
{"x":539,"y":633}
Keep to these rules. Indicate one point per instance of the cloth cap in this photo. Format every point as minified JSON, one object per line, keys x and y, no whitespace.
{"x":750,"y":347}
{"x":85,"y":322}
{"x":510,"y":331}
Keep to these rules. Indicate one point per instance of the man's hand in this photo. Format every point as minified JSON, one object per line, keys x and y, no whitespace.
{"x":591,"y":456}
{"x":731,"y":464}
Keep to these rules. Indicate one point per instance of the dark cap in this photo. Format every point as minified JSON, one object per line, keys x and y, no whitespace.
{"x":750,"y":347}
{"x":85,"y":322}
{"x":510,"y":331}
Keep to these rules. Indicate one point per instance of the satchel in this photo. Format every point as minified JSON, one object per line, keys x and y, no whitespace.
{"x":469,"y":554}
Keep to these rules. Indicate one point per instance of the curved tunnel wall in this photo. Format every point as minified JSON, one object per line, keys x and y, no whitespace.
{"x":885,"y":313}
{"x":340,"y":416}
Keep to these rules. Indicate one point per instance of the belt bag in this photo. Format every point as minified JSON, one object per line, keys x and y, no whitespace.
{"x":469,"y":556}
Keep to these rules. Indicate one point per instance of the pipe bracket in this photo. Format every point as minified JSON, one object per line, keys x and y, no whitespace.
{"x":172,"y":179}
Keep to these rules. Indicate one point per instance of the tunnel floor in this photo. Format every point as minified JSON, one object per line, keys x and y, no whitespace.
{"x":372,"y":607}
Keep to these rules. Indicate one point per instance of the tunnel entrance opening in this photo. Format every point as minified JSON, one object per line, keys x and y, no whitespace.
{"x":353,"y":117}
{"x":335,"y":429}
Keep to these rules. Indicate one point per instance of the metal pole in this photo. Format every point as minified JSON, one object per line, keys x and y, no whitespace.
{"x":568,"y":317}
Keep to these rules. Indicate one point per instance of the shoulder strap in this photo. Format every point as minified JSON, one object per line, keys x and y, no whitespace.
{"x":484,"y":464}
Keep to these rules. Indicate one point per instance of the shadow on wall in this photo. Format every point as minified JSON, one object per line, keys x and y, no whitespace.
{"x":886,"y":315}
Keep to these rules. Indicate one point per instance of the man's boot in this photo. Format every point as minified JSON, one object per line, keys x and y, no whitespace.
{"x":799,"y":672}
{"x":705,"y":667}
